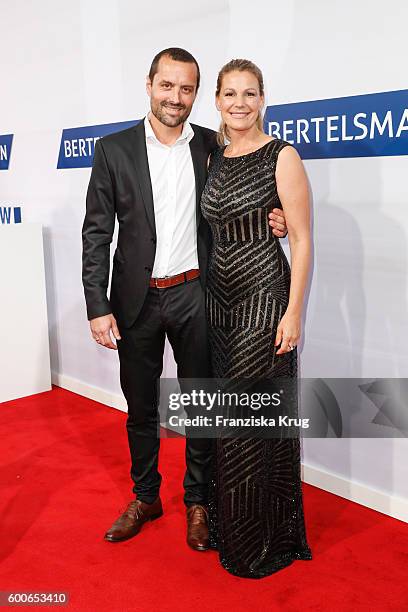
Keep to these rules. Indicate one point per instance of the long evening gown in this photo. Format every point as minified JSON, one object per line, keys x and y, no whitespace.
{"x":256,"y":507}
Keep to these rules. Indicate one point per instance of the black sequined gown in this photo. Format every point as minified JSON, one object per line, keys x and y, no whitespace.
{"x":256,"y":508}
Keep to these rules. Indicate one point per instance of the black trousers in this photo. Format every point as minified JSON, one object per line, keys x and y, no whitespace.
{"x":179,"y":313}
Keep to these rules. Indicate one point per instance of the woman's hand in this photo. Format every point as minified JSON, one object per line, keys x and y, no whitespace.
{"x":288,"y":333}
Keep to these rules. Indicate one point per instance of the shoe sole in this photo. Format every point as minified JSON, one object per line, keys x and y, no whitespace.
{"x":199,"y":548}
{"x":151,"y":518}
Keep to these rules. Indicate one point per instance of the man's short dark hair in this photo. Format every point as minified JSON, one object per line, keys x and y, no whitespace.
{"x":178,"y":55}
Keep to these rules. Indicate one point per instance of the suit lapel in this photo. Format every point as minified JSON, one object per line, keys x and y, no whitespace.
{"x":199,"y":158}
{"x":143,"y":172}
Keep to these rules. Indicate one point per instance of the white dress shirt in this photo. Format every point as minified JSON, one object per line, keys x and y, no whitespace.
{"x":174,"y":198}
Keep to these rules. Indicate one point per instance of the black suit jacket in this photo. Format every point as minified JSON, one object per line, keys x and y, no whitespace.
{"x":120,"y":185}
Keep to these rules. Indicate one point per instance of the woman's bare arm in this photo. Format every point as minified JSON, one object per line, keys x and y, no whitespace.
{"x":293,"y":191}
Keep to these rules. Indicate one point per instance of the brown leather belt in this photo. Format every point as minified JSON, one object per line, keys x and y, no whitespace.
{"x":171,"y":281}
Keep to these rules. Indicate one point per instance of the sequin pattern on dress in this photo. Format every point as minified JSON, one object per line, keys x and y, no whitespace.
{"x":256,"y":507}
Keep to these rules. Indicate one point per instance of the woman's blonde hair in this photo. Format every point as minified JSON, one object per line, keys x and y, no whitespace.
{"x":242,"y":65}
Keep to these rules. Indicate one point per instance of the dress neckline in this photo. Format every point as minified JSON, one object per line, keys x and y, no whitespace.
{"x":246,"y":154}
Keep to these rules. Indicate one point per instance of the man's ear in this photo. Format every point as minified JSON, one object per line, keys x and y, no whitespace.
{"x":148,"y":86}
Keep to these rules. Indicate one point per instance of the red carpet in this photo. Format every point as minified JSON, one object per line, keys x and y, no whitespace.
{"x":64,"y":479}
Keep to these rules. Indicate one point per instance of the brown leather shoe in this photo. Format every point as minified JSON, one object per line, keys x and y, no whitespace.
{"x":197,"y":527}
{"x":130,"y":522}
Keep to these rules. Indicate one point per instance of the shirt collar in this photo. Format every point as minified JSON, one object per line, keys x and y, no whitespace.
{"x":185,"y":136}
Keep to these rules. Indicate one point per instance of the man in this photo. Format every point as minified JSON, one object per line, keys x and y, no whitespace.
{"x":151,"y":177}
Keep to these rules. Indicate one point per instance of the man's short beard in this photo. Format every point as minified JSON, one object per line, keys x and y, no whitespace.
{"x":165,"y":119}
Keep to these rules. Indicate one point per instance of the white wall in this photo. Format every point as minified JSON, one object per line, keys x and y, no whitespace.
{"x":84,"y":62}
{"x":24,"y":347}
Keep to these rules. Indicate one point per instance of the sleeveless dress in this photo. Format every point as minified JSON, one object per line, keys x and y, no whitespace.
{"x":256,"y":507}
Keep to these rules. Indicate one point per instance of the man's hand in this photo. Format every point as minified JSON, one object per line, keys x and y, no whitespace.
{"x":102,"y":328}
{"x":278,"y":223}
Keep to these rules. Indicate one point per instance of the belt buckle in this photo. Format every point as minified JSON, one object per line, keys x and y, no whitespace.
{"x":160,"y":278}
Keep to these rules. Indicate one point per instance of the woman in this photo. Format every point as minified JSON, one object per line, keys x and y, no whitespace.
{"x":254,"y":305}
